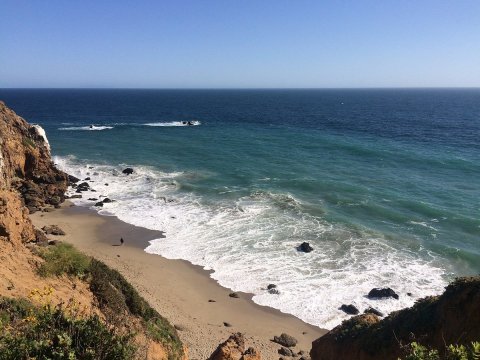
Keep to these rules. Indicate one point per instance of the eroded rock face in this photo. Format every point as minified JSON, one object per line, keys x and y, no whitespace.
{"x":234,"y":349}
{"x":27,"y":176}
{"x":453,"y":317}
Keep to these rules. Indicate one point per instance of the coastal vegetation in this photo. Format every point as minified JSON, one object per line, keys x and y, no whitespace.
{"x":417,"y":351}
{"x":28,"y":331}
{"x":114,"y":295}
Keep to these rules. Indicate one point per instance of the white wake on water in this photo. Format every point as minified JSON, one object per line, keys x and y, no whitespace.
{"x":87,"y":128}
{"x":251,"y":243}
{"x":175,"y":123}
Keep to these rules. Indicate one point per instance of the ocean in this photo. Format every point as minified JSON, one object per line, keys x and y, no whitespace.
{"x":383,"y":183}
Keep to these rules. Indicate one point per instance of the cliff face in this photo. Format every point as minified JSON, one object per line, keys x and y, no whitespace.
{"x":27,"y":176}
{"x":453,"y":317}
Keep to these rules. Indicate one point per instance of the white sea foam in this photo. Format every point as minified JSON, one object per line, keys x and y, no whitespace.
{"x":87,"y":128}
{"x":251,"y":243}
{"x":40,"y":131}
{"x":175,"y":123}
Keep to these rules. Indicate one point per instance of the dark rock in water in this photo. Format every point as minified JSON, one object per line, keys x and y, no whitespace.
{"x":83,"y":187}
{"x":274,"y":291}
{"x":373,"y":311}
{"x":305,"y":247}
{"x":286,"y":352}
{"x":271,"y":286}
{"x":53,"y":229}
{"x":90,"y":167}
{"x":234,"y":295}
{"x":226,"y":324}
{"x":105,"y":184}
{"x":100,"y":204}
{"x":285,"y":340}
{"x":107,"y":200}
{"x":92,"y":199}
{"x":409,"y":294}
{"x":382,"y":293}
{"x":72,"y":179}
{"x":127,"y":171}
{"x":86,"y":179}
{"x":349,"y":309}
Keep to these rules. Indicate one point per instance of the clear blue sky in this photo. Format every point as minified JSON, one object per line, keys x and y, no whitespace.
{"x":239,"y":43}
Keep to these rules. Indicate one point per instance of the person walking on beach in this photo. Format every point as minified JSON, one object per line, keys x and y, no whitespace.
{"x":121,"y":241}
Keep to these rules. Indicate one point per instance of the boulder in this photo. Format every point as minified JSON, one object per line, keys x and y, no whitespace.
{"x":40,"y":237}
{"x":83,"y":187}
{"x":285,"y":340}
{"x":107,"y":200}
{"x":99,"y":204}
{"x":234,"y":295}
{"x":127,"y":171}
{"x":72,"y":179}
{"x":378,"y":293}
{"x":286,"y":352}
{"x":234,"y":349}
{"x":53,"y":229}
{"x":349,"y":309}
{"x":305,"y":247}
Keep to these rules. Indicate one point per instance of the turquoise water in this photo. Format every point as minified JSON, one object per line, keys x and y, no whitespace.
{"x":384,"y":184}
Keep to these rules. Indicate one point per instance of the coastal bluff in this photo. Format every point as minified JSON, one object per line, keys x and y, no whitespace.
{"x":28,"y":178}
{"x":435,"y":321}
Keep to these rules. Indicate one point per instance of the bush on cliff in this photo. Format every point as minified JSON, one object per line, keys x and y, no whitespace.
{"x":114,"y":294}
{"x":56,"y":332}
{"x":63,"y":259}
{"x":416,"y":351}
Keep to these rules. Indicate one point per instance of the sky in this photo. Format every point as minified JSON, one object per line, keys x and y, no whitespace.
{"x":239,"y":43}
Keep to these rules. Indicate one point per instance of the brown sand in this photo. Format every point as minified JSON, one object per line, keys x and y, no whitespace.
{"x":179,"y":290}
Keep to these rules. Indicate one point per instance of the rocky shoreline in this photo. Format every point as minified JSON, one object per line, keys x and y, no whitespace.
{"x":204,"y":314}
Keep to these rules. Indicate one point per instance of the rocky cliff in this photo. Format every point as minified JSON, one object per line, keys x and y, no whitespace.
{"x":453,"y":317}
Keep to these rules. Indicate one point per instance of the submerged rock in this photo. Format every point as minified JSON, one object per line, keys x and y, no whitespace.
{"x":305,"y":247}
{"x":349,"y":309}
{"x":378,"y":293}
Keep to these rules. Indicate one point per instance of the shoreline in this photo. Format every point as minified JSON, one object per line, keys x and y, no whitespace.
{"x":180,"y":291}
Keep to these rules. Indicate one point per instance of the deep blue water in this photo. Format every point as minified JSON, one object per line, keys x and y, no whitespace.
{"x":383,"y":183}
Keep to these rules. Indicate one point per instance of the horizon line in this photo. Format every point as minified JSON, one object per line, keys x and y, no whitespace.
{"x":244,"y":88}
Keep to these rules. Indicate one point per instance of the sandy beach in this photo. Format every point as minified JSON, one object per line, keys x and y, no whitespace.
{"x":202,"y":310}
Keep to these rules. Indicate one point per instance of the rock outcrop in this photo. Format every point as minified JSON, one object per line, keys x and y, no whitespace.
{"x":453,"y":317}
{"x":234,"y":349}
{"x":26,"y":164}
{"x":27,"y":176}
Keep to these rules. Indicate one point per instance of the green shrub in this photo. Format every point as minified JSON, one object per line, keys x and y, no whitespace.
{"x":417,"y":351}
{"x":29,"y":332}
{"x":64,"y":259}
{"x":116,"y":295}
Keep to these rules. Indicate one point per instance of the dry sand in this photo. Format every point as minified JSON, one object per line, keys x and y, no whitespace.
{"x":179,"y":290}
